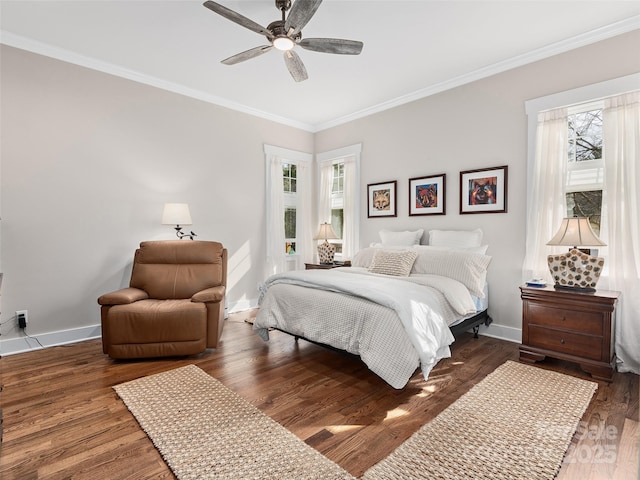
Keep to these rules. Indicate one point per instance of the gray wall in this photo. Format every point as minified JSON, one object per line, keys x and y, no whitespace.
{"x":478,"y":125}
{"x":89,"y":159}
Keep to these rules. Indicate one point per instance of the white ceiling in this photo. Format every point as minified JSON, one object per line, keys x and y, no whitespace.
{"x":411,"y":48}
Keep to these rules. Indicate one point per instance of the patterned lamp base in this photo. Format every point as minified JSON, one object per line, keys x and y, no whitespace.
{"x":575,"y":270}
{"x":326,"y":252}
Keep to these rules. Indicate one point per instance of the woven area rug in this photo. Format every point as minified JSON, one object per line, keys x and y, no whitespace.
{"x":204,"y":430}
{"x":517,"y":423}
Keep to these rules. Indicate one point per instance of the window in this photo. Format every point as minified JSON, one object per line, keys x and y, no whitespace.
{"x":338,"y":178}
{"x":339,"y":199}
{"x":585,"y":170}
{"x":289,"y":177}
{"x":616,"y":151}
{"x":288,"y":209}
{"x":290,"y":187}
{"x":337,"y":204}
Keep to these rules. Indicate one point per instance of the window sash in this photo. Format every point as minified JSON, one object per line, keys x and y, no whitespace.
{"x":587,"y":175}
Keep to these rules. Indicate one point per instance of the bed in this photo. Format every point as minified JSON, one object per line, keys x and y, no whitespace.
{"x":398,"y":307}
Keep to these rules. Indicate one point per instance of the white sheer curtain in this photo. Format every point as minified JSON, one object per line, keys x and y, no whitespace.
{"x":350,"y":233}
{"x":304,"y":222}
{"x":350,"y":156}
{"x":275,"y":217}
{"x":621,"y":222}
{"x":547,"y":204}
{"x":324,"y":201}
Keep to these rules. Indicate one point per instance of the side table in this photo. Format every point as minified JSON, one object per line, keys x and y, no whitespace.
{"x":574,"y":326}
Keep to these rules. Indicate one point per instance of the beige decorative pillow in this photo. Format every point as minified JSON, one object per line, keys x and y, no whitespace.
{"x":397,"y":263}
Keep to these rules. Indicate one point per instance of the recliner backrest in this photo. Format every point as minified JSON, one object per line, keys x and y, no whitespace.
{"x":176,"y":269}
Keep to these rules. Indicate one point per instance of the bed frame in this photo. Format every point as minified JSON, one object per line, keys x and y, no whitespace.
{"x":472,"y":323}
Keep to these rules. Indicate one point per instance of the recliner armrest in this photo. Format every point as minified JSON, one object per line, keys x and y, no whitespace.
{"x":123,"y":296}
{"x":213,"y":294}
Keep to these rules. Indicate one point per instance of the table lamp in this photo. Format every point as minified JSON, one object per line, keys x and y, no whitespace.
{"x":177,"y":214}
{"x":575,"y":270}
{"x":326,"y":250}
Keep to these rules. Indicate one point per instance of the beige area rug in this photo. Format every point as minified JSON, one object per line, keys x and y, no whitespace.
{"x":204,"y":430}
{"x":517,"y":423}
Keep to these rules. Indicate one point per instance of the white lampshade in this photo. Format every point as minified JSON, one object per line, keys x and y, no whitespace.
{"x":176,"y":214}
{"x":576,"y":232}
{"x":325,"y":231}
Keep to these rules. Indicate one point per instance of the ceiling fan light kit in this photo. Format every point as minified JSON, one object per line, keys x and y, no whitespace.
{"x":285,"y":34}
{"x":283,"y":43}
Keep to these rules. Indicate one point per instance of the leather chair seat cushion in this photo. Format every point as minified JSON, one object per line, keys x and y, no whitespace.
{"x":157,"y":321}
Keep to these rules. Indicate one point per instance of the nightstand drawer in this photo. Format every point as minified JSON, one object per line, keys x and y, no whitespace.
{"x":585,"y":346}
{"x":583,"y":322}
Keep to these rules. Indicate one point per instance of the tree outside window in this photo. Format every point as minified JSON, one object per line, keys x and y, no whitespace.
{"x":289,"y":177}
{"x":289,"y":180}
{"x":585,"y":136}
{"x":586,"y":166}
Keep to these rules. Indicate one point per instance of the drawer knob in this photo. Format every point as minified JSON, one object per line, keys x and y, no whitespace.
{"x":562,"y":341}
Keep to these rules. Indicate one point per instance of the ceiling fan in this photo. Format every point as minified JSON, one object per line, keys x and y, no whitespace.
{"x":287,"y":33}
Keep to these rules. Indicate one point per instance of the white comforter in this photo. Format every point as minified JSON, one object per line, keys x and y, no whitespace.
{"x":424,"y":304}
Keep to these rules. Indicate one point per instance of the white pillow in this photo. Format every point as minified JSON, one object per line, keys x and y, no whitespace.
{"x":393,"y":262}
{"x":469,"y":269}
{"x":482,"y":249}
{"x":456,"y":238}
{"x":406,"y":238}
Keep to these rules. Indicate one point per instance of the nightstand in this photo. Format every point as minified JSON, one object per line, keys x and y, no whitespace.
{"x":573,"y":326}
{"x":324,"y":266}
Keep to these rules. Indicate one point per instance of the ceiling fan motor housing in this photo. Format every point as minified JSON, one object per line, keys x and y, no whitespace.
{"x":278,"y":30}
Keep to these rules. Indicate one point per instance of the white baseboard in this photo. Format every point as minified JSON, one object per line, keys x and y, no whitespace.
{"x":51,"y":339}
{"x":25,"y":343}
{"x":240,"y":306}
{"x":510,"y":334}
{"x":73,"y":335}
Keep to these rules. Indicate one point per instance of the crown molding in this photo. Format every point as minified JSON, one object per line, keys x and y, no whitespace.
{"x":602,"y":33}
{"x":68,"y":56}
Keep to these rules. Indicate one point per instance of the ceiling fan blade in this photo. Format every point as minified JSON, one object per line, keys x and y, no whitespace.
{"x":301,"y":12}
{"x":237,"y":18}
{"x":246,"y":55}
{"x":295,"y":66}
{"x":332,"y":45}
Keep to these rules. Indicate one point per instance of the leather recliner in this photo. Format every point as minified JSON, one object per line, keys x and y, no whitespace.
{"x":174,"y":305}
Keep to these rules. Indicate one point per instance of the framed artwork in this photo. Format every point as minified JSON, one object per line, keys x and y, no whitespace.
{"x":484,"y":190}
{"x":381,"y":199}
{"x":427,"y":195}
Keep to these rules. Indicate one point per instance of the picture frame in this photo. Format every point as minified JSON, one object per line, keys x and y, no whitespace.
{"x":382,"y":199}
{"x":427,"y":195}
{"x":484,"y":190}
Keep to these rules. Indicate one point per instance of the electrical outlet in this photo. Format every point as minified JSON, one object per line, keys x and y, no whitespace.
{"x":23,"y":318}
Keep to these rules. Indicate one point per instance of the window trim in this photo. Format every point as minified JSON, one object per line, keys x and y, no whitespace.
{"x":339,"y":155}
{"x":286,"y":156}
{"x":577,"y":96}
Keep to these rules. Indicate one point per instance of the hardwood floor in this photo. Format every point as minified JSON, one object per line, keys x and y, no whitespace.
{"x":63,"y":420}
